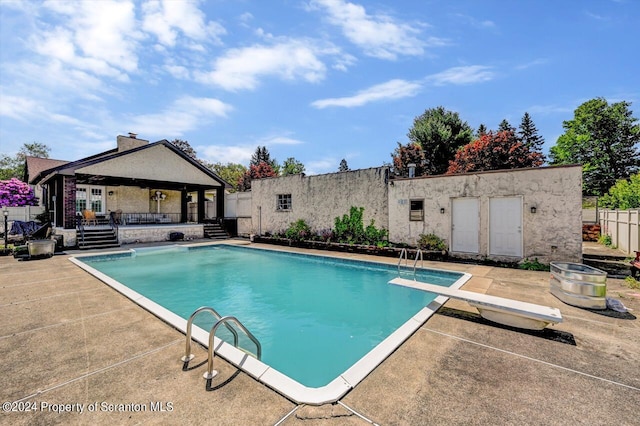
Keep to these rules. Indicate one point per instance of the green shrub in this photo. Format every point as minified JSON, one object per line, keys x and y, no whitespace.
{"x":605,"y":240}
{"x":298,"y":231}
{"x":632,"y":282}
{"x":431,"y":242}
{"x":350,"y":230}
{"x":533,"y":265}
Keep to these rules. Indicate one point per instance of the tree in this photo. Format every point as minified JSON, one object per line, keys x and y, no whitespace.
{"x":15,"y":193}
{"x":505,"y":126}
{"x":185,"y":147}
{"x":440,"y":133}
{"x":528,"y":134}
{"x":494,"y":151}
{"x":344,"y":167}
{"x":260,"y":171}
{"x":291,"y":166}
{"x":625,"y":194}
{"x":231,"y":172}
{"x":482,"y":130}
{"x":262,"y":155}
{"x":404,"y":155}
{"x":13,"y":167}
{"x":604,"y":139}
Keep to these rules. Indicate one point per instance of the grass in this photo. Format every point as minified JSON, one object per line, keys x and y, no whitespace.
{"x":632,"y":283}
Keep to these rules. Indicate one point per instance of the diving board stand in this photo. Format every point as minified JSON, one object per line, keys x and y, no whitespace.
{"x":497,"y":309}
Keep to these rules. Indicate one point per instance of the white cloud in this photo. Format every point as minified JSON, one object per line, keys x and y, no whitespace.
{"x":290,"y":59}
{"x":165,"y":19}
{"x":239,"y":154}
{"x":185,"y":114}
{"x":393,"y":89}
{"x":535,"y":62}
{"x":323,"y":165}
{"x":18,"y":108}
{"x":483,"y":24}
{"x":549,"y":109}
{"x":380,"y":35}
{"x":462,"y":75}
{"x":97,"y":37}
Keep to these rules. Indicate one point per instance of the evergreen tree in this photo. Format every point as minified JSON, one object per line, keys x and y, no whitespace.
{"x":482,"y":130}
{"x":344,"y":167}
{"x":528,"y":134}
{"x":262,"y":155}
{"x":505,"y":126}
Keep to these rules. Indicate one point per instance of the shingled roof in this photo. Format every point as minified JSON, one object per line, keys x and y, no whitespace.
{"x":36,"y":165}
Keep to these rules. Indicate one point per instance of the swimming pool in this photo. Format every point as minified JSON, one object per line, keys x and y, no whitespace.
{"x":323,"y":322}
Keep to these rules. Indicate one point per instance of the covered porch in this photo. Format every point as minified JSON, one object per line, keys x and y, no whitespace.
{"x":137,"y":185}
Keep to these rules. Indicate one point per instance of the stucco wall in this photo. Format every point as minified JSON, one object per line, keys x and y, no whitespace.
{"x":319,"y":199}
{"x":554,"y":232}
{"x":138,"y":200}
{"x":155,"y":163}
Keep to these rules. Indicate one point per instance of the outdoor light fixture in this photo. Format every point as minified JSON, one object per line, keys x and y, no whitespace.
{"x":533,"y":209}
{"x":159,"y":197}
{"x":441,"y":210}
{"x":110,"y":193}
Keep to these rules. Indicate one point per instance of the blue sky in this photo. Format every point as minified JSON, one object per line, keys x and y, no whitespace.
{"x":318,"y":80}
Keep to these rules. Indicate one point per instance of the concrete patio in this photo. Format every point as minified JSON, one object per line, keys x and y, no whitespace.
{"x":68,"y":343}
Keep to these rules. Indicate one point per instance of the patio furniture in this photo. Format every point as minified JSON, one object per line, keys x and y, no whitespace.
{"x":116,"y":216}
{"x":89,"y":217}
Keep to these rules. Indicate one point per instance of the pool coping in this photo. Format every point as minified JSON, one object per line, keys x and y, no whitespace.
{"x":262,"y":372}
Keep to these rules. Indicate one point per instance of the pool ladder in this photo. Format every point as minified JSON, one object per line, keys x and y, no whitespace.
{"x":404,"y":255}
{"x":220,"y":320}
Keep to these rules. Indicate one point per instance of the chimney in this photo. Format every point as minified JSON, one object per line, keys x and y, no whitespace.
{"x":126,"y":143}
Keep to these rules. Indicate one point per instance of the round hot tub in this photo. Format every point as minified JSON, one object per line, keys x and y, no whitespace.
{"x":579,"y":285}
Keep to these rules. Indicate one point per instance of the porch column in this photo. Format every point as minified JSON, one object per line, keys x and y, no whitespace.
{"x":184,"y":206}
{"x":69,"y":205}
{"x":56,"y":188}
{"x":201,"y":204}
{"x":220,"y":202}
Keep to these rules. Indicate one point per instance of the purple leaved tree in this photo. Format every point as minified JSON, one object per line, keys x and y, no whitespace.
{"x":15,"y":193}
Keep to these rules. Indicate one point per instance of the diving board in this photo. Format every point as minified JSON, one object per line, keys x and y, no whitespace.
{"x":497,"y":309}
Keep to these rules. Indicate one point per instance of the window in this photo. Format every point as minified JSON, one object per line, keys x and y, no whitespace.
{"x":90,"y":198}
{"x":416,"y":211}
{"x":96,"y":200}
{"x":284,"y":202}
{"x":81,"y":199}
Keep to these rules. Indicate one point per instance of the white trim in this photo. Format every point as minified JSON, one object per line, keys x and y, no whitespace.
{"x":267,"y":375}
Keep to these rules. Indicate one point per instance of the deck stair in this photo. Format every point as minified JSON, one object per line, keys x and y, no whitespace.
{"x":98,"y":237}
{"x":214,"y":231}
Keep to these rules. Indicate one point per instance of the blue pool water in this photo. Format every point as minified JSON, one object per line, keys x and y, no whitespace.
{"x":314,"y":316}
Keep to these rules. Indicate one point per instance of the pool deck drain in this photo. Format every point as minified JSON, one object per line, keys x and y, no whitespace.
{"x":68,"y":342}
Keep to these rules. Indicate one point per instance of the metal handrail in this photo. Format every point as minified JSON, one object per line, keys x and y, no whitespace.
{"x":188,"y":356}
{"x":210,"y":373}
{"x":415,"y":263}
{"x":402,"y":253}
{"x":80,"y":227}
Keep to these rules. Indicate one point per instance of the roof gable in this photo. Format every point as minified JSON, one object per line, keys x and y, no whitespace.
{"x":159,"y":161}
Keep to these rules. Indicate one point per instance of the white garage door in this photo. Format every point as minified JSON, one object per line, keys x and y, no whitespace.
{"x":505,"y":226}
{"x":465,"y":225}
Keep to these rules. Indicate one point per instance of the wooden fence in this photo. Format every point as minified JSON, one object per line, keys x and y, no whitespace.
{"x":623,"y":227}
